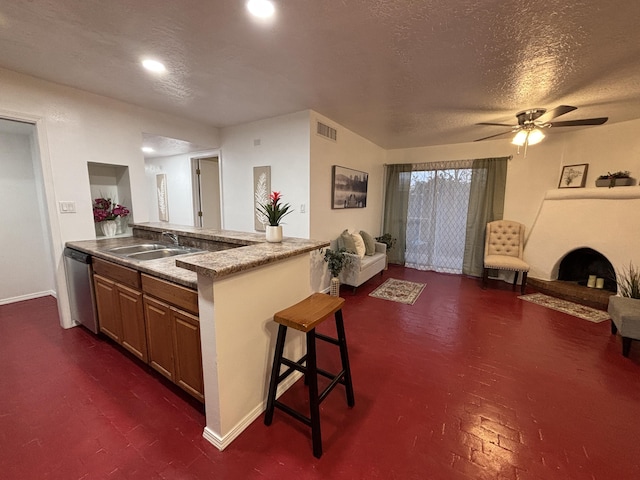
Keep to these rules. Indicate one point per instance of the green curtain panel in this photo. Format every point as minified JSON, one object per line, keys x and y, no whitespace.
{"x":486,"y":203}
{"x":395,"y":208}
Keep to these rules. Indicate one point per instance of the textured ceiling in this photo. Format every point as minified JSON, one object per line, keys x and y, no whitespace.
{"x":400,"y":73}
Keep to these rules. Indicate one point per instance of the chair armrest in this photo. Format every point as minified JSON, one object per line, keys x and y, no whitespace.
{"x":381,"y":247}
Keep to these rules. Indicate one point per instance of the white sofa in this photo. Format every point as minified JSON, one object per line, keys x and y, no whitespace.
{"x":359,"y":270}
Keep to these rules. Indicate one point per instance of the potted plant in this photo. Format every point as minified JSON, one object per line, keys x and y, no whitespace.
{"x":615,"y":179}
{"x":336,"y":261}
{"x":106,"y":212}
{"x":273,"y":211}
{"x":629,"y":282}
{"x":389,"y":241}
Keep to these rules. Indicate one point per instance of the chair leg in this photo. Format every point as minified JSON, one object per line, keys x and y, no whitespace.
{"x":524,"y":283}
{"x":275,"y":373}
{"x":314,"y":401}
{"x":344,"y":355}
{"x":485,"y":277}
{"x":626,"y":346}
{"x":515,"y":280}
{"x":614,"y":329}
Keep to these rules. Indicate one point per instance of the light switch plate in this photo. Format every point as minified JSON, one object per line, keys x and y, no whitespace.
{"x":67,"y":206}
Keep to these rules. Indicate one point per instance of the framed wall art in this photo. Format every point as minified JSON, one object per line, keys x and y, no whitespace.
{"x":348,"y":188}
{"x":261,"y":192}
{"x":573,"y":176}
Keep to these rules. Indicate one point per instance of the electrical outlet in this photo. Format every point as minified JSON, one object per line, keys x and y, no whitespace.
{"x":67,"y":207}
{"x":303,"y":208}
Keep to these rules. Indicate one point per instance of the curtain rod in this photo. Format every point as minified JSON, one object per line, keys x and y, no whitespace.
{"x":508,"y":157}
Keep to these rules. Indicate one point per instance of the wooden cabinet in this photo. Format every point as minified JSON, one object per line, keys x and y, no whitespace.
{"x":119,"y":306}
{"x":154,"y":319}
{"x":173,"y":333}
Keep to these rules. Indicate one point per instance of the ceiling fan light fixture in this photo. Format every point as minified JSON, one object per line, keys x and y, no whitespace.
{"x":535,"y":136}
{"x":520,"y":138}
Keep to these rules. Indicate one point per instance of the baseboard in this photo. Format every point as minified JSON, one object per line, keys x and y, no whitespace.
{"x":222,"y":442}
{"x":29,"y":296}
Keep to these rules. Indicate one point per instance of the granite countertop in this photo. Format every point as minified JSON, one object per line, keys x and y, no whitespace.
{"x":253,"y":251}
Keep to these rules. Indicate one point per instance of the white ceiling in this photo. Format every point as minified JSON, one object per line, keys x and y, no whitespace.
{"x":400,"y":73}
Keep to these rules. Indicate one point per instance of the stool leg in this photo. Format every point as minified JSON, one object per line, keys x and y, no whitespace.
{"x":344,"y":355}
{"x":275,"y":373}
{"x":314,"y":403}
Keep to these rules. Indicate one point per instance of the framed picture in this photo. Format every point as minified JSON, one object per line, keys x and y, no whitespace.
{"x":261,"y":192}
{"x":163,"y":200}
{"x":348,"y":188}
{"x":573,"y":176}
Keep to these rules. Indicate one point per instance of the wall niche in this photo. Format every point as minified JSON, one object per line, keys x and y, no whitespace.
{"x":112,"y":181}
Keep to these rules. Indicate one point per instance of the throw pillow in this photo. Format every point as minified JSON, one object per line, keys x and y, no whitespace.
{"x":347,"y":242}
{"x":369,"y":243}
{"x":360,"y":248}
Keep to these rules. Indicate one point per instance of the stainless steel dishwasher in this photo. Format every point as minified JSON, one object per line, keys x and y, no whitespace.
{"x":78,"y":267}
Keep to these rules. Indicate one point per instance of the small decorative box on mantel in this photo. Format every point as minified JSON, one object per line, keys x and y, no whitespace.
{"x":617,"y":179}
{"x":615,"y":182}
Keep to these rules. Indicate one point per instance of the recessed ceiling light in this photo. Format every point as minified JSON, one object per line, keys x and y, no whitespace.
{"x":261,"y":8}
{"x":154,"y":65}
{"x":148,"y":150}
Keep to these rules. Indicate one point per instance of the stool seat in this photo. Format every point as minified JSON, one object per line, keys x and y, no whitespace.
{"x":304,"y":316}
{"x":308,"y":313}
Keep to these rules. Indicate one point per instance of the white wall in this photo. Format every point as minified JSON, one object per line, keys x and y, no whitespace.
{"x":25,"y":254}
{"x":605,"y":148}
{"x":351,"y":151}
{"x":179,"y":186}
{"x":283,"y":145}
{"x":75,"y":127}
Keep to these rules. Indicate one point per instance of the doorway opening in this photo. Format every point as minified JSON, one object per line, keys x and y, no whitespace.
{"x":207,"y":192}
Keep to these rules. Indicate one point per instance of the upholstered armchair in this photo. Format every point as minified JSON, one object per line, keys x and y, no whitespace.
{"x":503,"y":247}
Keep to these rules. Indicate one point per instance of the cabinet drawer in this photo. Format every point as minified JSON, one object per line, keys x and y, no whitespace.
{"x":181,"y":297}
{"x":124,"y":275}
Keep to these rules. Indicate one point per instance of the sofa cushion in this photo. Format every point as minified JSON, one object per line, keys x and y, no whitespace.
{"x":345,"y":240}
{"x":359,"y":243}
{"x":369,"y":243}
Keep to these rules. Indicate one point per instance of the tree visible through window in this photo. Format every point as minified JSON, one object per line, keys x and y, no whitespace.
{"x":437,"y":218}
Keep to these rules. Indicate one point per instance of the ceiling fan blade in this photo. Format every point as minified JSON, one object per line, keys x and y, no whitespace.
{"x":580,"y":123}
{"x":496,"y":124}
{"x":556,"y":112}
{"x":493,"y":136}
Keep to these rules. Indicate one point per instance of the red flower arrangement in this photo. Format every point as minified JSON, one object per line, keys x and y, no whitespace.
{"x":274,"y":211}
{"x":105,"y":209}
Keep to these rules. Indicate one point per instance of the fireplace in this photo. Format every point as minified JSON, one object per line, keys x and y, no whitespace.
{"x":579,"y":264}
{"x":594,"y":221}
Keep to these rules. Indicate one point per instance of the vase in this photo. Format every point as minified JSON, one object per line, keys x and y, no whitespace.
{"x":273,"y":234}
{"x":334,"y":287}
{"x":109,"y":228}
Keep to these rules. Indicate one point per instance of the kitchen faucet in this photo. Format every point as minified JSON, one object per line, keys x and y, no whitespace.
{"x":172,"y":236}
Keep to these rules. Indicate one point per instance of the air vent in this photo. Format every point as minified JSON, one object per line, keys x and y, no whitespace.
{"x":327,"y":131}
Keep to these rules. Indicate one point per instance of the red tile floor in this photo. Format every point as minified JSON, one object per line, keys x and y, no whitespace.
{"x":464,"y":384}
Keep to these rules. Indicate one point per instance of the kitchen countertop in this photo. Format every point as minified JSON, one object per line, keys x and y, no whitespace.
{"x":253,"y":252}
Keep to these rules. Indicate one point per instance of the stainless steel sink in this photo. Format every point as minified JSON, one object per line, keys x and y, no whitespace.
{"x":151,"y":251}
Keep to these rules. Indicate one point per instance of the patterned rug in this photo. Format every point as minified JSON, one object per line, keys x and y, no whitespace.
{"x":400,"y":291}
{"x":580,"y":311}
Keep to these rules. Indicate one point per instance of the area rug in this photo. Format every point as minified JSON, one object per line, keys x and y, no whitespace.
{"x":577,"y":310}
{"x":400,"y":291}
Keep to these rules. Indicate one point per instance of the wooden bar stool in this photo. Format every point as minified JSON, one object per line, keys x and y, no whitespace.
{"x":305,"y":316}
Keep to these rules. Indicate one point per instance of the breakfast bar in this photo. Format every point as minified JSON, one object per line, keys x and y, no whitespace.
{"x":239,"y":288}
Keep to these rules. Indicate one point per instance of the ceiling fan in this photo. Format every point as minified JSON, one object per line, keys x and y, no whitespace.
{"x":531,"y":123}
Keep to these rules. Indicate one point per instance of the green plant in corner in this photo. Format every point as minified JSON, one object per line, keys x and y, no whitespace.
{"x":336,"y":260}
{"x":629,"y":281}
{"x":387,"y":239}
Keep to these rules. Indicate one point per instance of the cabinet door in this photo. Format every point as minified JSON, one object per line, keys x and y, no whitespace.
{"x":131,"y":311}
{"x":107,"y":307}
{"x":188,"y":353}
{"x":159,"y":336}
